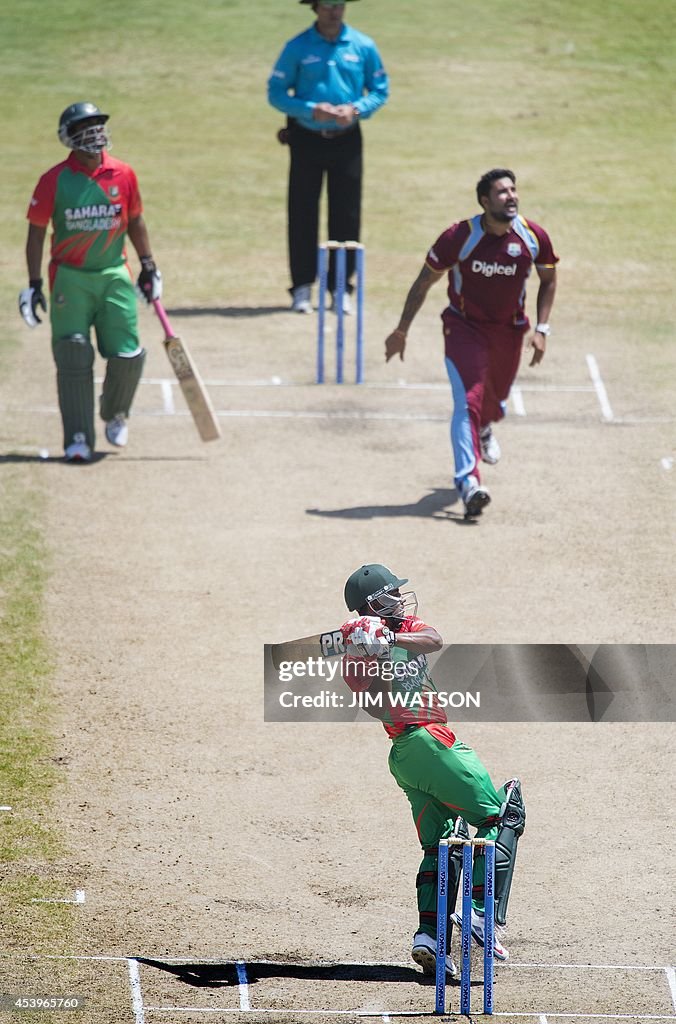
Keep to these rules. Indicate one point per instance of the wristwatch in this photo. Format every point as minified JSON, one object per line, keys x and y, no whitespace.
{"x":543,"y":329}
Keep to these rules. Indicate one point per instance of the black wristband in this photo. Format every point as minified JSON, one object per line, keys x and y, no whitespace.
{"x":35,"y":282}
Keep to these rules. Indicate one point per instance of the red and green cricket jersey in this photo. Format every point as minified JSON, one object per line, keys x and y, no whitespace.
{"x":412,"y":699}
{"x":89,"y":211}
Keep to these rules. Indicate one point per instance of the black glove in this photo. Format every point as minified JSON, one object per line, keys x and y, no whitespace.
{"x":149,"y":284}
{"x":30,"y":300}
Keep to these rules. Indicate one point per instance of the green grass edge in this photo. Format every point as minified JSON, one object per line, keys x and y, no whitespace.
{"x":30,"y":844}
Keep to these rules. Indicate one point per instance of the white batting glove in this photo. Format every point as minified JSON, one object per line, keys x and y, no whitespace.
{"x":372,"y":639}
{"x":30,"y":300}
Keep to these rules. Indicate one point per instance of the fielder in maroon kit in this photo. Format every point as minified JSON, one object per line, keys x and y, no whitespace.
{"x":488,"y":259}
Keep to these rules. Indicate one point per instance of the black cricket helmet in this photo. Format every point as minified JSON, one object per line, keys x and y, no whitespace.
{"x":372,"y":586}
{"x":82,"y":126}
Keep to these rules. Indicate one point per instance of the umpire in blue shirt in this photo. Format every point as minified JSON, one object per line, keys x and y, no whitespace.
{"x":326,"y":80}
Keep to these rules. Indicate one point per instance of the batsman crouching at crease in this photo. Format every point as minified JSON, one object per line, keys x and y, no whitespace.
{"x":327,"y":80}
{"x":446,"y":784}
{"x":93,"y":202}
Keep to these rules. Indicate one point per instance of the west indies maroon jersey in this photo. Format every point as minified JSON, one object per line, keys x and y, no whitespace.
{"x":487,"y":273}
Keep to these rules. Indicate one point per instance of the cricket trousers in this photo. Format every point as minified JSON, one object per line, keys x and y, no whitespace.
{"x":313,"y":158}
{"x":482,"y":361}
{"x":443,"y":779}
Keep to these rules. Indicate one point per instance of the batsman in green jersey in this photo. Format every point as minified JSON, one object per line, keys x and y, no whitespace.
{"x":93,"y":203}
{"x":447,"y":786}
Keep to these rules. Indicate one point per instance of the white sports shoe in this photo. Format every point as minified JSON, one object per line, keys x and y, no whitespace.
{"x":474,"y":496}
{"x":490,"y":449}
{"x":478,"y":923}
{"x":302,"y":299}
{"x":424,"y":953}
{"x":78,"y":450}
{"x":347,"y":304}
{"x":117,"y":431}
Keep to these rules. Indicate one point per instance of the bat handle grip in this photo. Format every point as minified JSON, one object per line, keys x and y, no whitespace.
{"x":163,"y":318}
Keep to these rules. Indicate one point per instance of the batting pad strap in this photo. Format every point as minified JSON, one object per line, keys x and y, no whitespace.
{"x":426,"y":878}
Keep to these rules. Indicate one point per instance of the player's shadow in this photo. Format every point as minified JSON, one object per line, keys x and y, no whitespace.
{"x":229,"y":974}
{"x":241,"y":312}
{"x":19,"y":457}
{"x":15,"y":457}
{"x":431,"y":506}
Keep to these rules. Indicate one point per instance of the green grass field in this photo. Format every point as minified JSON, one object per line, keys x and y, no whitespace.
{"x":578,"y":98}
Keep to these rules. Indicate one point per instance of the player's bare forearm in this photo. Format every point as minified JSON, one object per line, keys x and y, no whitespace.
{"x":395,"y":343}
{"x":545,"y":302}
{"x":35,"y":244}
{"x":138,"y":236}
{"x":546,"y":293}
{"x":424,"y":641}
{"x":416,"y":296}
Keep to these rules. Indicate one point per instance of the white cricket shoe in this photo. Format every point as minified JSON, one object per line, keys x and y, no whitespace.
{"x":474,"y":496}
{"x":490,"y":449}
{"x":347,"y":304}
{"x":78,"y":450}
{"x":478,"y":924}
{"x":117,"y":431}
{"x":424,"y":953}
{"x":302,"y":299}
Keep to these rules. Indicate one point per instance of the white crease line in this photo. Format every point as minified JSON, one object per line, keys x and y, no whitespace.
{"x":599,"y":387}
{"x":167,"y":397}
{"x":243,"y":983}
{"x":666,"y":463}
{"x":594,"y":1016}
{"x":528,"y":1015}
{"x":582,"y":967}
{"x":543,"y":1019}
{"x":277,"y":382}
{"x":516,"y":398}
{"x":5,"y":808}
{"x":135,"y":990}
{"x":79,"y":898}
{"x":671,"y":981}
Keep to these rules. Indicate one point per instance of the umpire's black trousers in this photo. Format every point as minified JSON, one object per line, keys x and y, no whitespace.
{"x":312,"y":156}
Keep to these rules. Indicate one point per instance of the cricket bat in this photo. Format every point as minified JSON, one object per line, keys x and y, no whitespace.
{"x":325,"y":645}
{"x":188,"y":377}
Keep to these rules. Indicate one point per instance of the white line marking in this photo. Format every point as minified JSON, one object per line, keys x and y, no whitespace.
{"x":516,"y":398}
{"x":671,"y":981}
{"x":667,"y":462}
{"x":582,"y":967}
{"x":79,"y":898}
{"x":277,"y":382}
{"x":406,"y":1013}
{"x":243,"y":982}
{"x":135,"y":990}
{"x":600,"y":389}
{"x":331,"y":963}
{"x":167,"y":397}
{"x":543,"y":1018}
{"x":5,"y":808}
